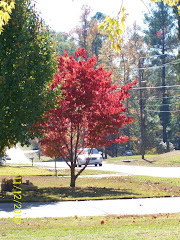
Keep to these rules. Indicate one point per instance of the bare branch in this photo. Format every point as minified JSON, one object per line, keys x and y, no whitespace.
{"x":87,"y":162}
{"x":64,"y":141}
{"x":71,"y":146}
{"x":64,"y":157}
{"x":67,"y":163}
{"x":77,"y":141}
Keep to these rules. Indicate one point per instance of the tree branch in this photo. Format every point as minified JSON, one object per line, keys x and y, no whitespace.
{"x":87,"y":161}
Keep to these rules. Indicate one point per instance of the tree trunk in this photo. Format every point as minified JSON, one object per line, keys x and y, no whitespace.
{"x":128,"y":128}
{"x":116,"y":149}
{"x":73,"y":177}
{"x":112,"y":147}
{"x":105,"y":152}
{"x":55,"y":166}
{"x":141,"y":110}
{"x":2,"y":151}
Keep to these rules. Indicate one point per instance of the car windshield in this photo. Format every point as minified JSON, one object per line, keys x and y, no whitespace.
{"x":92,"y":151}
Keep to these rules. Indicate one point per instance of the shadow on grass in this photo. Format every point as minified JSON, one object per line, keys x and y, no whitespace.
{"x":91,"y":192}
{"x":44,"y":161}
{"x":148,"y":161}
{"x":65,"y":194}
{"x":52,"y":160}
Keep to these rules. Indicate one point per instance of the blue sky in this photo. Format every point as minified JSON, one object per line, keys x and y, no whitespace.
{"x":63,"y":15}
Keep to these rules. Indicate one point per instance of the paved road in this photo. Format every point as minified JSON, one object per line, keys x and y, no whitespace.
{"x":130,"y":170}
{"x":18,"y":156}
{"x":94,"y":208}
{"x":145,"y":171}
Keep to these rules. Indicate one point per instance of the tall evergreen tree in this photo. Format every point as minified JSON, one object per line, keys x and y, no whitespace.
{"x":161,"y":35}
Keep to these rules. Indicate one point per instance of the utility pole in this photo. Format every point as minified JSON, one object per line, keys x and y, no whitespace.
{"x":141,"y":109}
{"x":128,"y":128}
{"x":164,"y":102}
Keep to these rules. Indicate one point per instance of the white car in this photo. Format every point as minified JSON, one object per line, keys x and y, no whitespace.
{"x":95,"y":157}
{"x":4,"y":159}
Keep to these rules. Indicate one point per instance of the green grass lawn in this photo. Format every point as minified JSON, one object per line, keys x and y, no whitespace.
{"x":166,"y":159}
{"x":150,"y":227}
{"x":37,"y":171}
{"x":51,"y":188}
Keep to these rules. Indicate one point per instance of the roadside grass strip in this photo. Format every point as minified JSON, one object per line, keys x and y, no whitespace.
{"x":149,"y":227}
{"x":38,"y":171}
{"x":162,"y":160}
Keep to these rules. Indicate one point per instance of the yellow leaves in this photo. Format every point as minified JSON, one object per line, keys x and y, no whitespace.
{"x":133,"y":138}
{"x":7,"y":7}
{"x":5,"y":16}
{"x":171,"y":3}
{"x":5,"y":11}
{"x":115,"y":27}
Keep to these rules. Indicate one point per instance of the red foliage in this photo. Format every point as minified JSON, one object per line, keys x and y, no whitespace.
{"x":89,"y":111}
{"x":159,"y":35}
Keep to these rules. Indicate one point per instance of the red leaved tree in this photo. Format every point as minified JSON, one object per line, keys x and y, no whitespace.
{"x":88,"y":111}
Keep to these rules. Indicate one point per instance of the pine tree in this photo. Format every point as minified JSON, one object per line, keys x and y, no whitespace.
{"x":161,"y":36}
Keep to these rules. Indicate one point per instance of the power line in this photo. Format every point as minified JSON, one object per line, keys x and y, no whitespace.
{"x":160,"y":105}
{"x":144,"y":68}
{"x":156,"y":87}
{"x":157,"y":55}
{"x":135,"y":115}
{"x":163,"y":65}
{"x":149,"y":110}
{"x":155,"y":99}
{"x":152,"y":87}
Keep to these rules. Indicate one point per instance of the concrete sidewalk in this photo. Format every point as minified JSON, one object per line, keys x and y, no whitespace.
{"x":94,"y":208}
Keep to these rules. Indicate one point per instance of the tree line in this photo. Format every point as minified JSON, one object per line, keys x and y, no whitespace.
{"x":157,"y":52}
{"x":39,"y":78}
